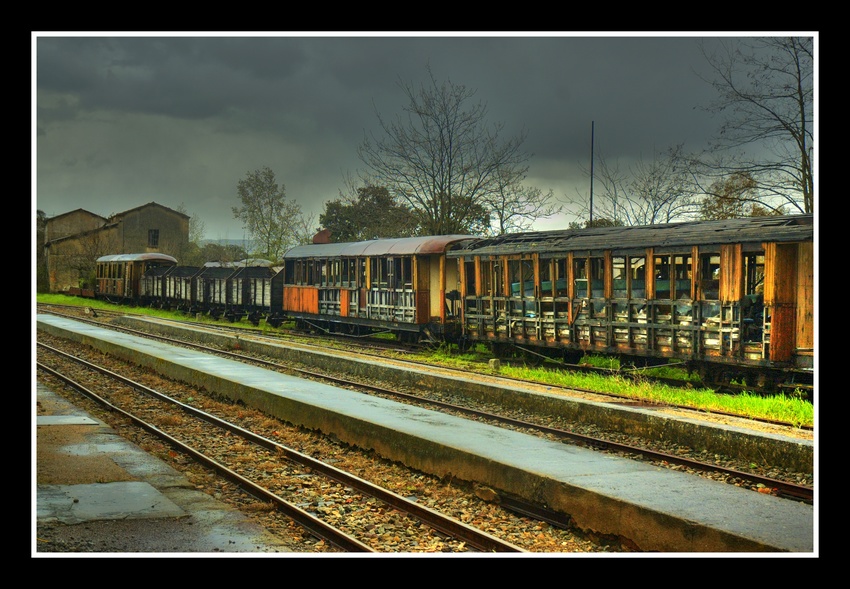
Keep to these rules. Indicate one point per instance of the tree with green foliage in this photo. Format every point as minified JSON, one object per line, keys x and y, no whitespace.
{"x":735,"y":197}
{"x":273,"y":221}
{"x":442,"y":159}
{"x":369,"y":213}
{"x":597,"y":222}
{"x":224,"y":253}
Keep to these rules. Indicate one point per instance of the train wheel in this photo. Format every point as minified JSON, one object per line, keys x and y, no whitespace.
{"x":500,"y":350}
{"x":572,"y":356}
{"x":532,"y":359}
{"x":712,"y":376}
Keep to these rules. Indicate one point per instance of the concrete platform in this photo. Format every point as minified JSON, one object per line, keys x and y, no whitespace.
{"x":136,"y":502}
{"x":658,"y":509}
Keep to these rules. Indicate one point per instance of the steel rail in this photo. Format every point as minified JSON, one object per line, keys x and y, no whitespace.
{"x":451,"y":527}
{"x":314,"y":525}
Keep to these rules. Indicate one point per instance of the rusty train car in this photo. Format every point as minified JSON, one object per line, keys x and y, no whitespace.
{"x":131,"y":277}
{"x":403,"y":286}
{"x":731,"y":299}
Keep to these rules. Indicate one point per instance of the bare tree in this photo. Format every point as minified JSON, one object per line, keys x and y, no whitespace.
{"x":514,"y":207}
{"x":649,"y":192}
{"x":304,"y":228}
{"x":197,"y":227}
{"x":272,"y":220}
{"x":765,"y":89}
{"x":191,"y":254}
{"x":82,"y":259}
{"x":443,"y":160}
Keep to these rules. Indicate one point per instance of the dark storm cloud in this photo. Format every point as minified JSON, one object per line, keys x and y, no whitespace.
{"x":125,"y":120}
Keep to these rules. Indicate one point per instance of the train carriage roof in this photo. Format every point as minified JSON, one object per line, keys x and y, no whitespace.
{"x":215,"y":272}
{"x":400,"y":246}
{"x":787,"y":228}
{"x":248,"y":272}
{"x":184,"y":271}
{"x":157,"y":271}
{"x":253,"y":262}
{"x":152,"y":257}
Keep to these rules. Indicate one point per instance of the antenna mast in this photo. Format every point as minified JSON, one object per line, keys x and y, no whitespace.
{"x":591,"y":174}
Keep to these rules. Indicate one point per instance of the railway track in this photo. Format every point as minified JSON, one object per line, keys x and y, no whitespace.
{"x":269,"y":470}
{"x":791,"y":485}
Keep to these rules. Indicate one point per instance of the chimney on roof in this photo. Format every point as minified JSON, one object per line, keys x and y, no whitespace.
{"x":323,"y":236}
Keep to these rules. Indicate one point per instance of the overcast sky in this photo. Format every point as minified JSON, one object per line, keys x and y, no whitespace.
{"x":121,"y":120}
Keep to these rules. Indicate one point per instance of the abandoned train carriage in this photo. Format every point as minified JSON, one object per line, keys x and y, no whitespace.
{"x":398,"y":285}
{"x":734,"y":299}
{"x":120,"y":276}
{"x":179,"y":290}
{"x":251,"y":289}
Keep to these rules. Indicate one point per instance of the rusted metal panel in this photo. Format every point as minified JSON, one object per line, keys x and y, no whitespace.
{"x":344,"y":302}
{"x":301,"y":299}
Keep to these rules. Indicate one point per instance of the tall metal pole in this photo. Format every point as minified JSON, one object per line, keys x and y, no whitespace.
{"x":591,"y":173}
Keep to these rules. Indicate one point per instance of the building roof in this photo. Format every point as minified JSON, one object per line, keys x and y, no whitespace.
{"x":49,"y":219}
{"x":150,"y":204}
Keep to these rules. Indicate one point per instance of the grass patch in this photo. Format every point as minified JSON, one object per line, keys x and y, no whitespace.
{"x":791,"y":408}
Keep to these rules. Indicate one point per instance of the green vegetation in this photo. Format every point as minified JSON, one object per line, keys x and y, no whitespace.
{"x":792,"y":408}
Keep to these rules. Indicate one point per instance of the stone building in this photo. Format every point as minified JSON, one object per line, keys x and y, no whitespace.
{"x":73,"y":241}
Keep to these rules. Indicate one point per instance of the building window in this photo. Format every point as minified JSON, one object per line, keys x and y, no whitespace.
{"x":153,"y":237}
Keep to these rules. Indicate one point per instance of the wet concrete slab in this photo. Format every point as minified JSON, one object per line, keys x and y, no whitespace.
{"x":71,"y":504}
{"x":137,"y":502}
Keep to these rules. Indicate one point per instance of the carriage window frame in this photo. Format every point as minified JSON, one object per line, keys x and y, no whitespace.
{"x":709,"y":272}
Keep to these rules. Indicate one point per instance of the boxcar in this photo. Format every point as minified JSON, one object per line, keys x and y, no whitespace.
{"x":212,"y":295}
{"x":179,"y":289}
{"x":250,"y":289}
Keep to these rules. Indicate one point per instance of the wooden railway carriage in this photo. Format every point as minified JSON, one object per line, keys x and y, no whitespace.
{"x":723,"y":296}
{"x":131,"y":277}
{"x":401,"y":285}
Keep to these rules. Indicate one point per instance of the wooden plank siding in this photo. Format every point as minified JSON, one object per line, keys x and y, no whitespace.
{"x":806,"y":299}
{"x":301,"y":299}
